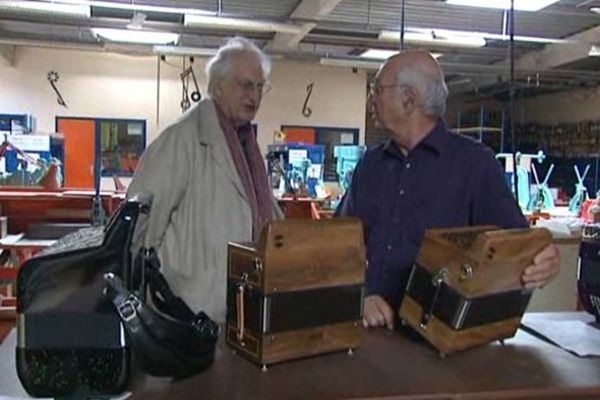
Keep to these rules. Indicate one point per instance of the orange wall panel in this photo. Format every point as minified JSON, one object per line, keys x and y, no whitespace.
{"x":80,"y":148}
{"x":300,"y":135}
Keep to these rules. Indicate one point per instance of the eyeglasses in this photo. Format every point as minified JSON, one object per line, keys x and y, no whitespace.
{"x":249,"y":87}
{"x":375,"y":88}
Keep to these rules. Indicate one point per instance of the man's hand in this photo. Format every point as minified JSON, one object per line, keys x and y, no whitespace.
{"x":545,"y":268}
{"x":377,"y":312}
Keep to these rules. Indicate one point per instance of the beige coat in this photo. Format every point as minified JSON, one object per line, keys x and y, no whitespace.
{"x":199,"y":205}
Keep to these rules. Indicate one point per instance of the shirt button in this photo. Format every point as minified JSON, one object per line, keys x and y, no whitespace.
{"x":407,"y":165}
{"x":389,"y":247}
{"x":401,"y":192}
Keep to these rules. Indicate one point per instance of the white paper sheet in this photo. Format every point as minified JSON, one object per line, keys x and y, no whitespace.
{"x":579,"y":337}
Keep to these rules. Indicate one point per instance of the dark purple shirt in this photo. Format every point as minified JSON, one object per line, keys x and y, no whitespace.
{"x":447,"y":180}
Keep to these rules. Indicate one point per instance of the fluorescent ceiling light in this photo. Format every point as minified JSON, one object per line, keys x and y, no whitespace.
{"x":133,"y":6}
{"x":523,"y":5}
{"x":595,"y":10}
{"x":456,"y":38}
{"x":184,"y":51}
{"x":347,"y":62}
{"x":380,"y":54}
{"x":506,"y":37}
{"x":241,"y":24}
{"x":529,"y":39}
{"x":44,"y":7}
{"x":594,"y":51}
{"x":434,"y":37}
{"x":131,"y":36}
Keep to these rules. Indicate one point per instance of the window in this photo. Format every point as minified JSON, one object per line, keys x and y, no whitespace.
{"x":116,"y":143}
{"x":121,"y":145}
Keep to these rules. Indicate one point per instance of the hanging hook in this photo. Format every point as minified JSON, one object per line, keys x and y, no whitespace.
{"x":53,"y":78}
{"x":306,"y":110}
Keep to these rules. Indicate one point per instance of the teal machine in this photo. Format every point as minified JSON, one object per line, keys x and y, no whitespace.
{"x":296,"y":168}
{"x":542,"y":198}
{"x":581,"y":193}
{"x":523,"y":174}
{"x":25,"y":158}
{"x":347,"y":157}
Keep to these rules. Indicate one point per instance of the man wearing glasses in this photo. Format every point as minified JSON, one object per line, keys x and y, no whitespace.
{"x":423,"y":177}
{"x":208,"y":180}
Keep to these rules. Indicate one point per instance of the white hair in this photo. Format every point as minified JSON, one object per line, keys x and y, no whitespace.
{"x":433,"y":90}
{"x":218,"y":67}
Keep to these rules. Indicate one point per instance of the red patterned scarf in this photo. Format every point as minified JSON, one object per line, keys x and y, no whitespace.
{"x":251,"y":168}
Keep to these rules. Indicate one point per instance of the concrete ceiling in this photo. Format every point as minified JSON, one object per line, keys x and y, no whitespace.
{"x":342,"y":29}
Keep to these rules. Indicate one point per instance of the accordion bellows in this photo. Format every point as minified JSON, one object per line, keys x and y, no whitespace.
{"x":465,"y":287}
{"x":298,"y":292}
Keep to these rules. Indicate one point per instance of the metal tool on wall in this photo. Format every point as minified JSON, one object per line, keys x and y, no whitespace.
{"x":196,"y":96}
{"x":53,"y":78}
{"x":306,"y":110}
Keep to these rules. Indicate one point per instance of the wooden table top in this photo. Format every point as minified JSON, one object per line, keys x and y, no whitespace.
{"x":389,"y":365}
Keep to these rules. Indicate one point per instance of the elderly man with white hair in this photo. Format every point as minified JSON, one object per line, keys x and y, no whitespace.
{"x":423,"y":177}
{"x":208,"y":180}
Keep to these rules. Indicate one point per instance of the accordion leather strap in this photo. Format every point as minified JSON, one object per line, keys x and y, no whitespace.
{"x":438,"y":280}
{"x":240,"y":312}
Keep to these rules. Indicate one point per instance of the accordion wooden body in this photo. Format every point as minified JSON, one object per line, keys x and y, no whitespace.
{"x":465,"y":287}
{"x":298,"y":292}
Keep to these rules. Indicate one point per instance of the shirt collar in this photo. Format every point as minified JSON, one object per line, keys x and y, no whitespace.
{"x":435,"y":140}
{"x":438,"y":138}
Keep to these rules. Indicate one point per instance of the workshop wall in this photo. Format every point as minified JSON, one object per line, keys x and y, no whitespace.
{"x":93,"y":84}
{"x":338,"y":98}
{"x":565,"y":107}
{"x":96,"y":84}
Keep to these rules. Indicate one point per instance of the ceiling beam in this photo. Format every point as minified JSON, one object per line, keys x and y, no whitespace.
{"x":555,"y":55}
{"x":7,"y":54}
{"x":549,"y":58}
{"x":305,"y":10}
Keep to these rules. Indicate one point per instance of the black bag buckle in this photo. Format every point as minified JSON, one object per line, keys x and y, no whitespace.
{"x":128,"y":309}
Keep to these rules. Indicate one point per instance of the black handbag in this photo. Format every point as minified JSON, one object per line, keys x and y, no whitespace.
{"x":83,"y":315}
{"x":167,"y":341}
{"x":70,"y":342}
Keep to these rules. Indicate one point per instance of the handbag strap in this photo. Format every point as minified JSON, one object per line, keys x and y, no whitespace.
{"x":162,"y":296}
{"x":126,"y":303}
{"x":139,"y":321}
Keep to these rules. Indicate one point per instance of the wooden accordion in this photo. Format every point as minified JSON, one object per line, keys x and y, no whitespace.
{"x":298,"y":292}
{"x":465,"y":287}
